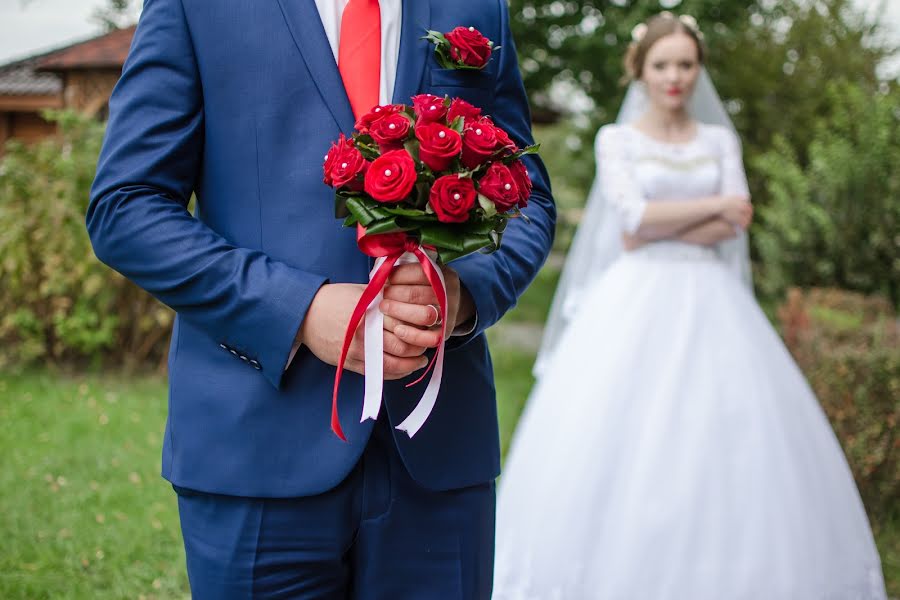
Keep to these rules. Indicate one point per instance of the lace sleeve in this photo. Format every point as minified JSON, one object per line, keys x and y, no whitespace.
{"x":734,"y":181}
{"x":617,"y":179}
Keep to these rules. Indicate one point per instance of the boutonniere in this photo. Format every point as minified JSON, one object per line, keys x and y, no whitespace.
{"x":462,"y":48}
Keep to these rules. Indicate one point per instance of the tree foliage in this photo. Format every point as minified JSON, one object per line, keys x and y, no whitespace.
{"x":60,"y":304}
{"x":115,"y":14}
{"x":581,"y":44}
{"x":832,"y":219}
{"x":765,"y":56}
{"x":847,"y":346}
{"x":770,"y":62}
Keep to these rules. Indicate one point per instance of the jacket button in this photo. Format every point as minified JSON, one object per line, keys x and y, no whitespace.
{"x":223,"y":346}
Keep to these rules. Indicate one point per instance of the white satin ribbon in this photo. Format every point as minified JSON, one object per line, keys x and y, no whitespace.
{"x":374,"y":351}
{"x":374,"y":356}
{"x":423,"y":409}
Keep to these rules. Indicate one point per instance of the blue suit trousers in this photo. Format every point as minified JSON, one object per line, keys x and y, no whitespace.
{"x":378,"y":535}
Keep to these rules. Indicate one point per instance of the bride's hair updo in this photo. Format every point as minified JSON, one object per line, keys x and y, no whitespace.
{"x":644,"y":35}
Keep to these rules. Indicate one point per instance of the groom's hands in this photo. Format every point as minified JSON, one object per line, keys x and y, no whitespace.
{"x":406,"y":305}
{"x":407,"y":320}
{"x":325,"y":325}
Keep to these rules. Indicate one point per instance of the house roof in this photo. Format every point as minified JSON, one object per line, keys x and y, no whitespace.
{"x":106,"y":51}
{"x":37,"y":75}
{"x":21,"y":79}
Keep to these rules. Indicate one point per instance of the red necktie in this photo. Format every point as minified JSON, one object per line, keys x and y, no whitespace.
{"x":359,"y":54}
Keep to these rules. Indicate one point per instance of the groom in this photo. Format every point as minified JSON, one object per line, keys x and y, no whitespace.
{"x":237,"y":102}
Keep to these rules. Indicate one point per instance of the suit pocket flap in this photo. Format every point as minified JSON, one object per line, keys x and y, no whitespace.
{"x":460,"y":78}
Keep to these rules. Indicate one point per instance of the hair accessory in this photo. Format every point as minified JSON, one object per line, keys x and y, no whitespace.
{"x":640,"y":30}
{"x":637,"y":34}
{"x":689,"y":21}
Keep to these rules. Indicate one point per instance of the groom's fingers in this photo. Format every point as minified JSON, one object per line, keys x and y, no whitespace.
{"x":394,"y":368}
{"x":356,"y":366}
{"x":414,"y":314}
{"x":411,"y":294}
{"x":398,"y":368}
{"x":425,"y":338}
{"x":408,"y":275}
{"x":397,"y":347}
{"x":392,"y":345}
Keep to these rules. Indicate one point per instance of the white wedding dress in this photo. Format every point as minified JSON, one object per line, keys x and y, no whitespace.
{"x":671,"y":448}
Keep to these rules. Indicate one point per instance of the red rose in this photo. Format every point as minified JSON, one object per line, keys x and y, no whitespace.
{"x":391,"y":176}
{"x":390,"y":131}
{"x":499,"y":186}
{"x":468,"y":46}
{"x":523,"y":182}
{"x":504,"y":142}
{"x":461,"y":108}
{"x":452,"y":197}
{"x":366,"y":121}
{"x":429,"y":108}
{"x":479,"y":142}
{"x":343,"y":165}
{"x":439,"y":145}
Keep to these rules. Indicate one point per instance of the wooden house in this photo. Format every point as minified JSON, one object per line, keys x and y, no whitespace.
{"x":80,"y":77}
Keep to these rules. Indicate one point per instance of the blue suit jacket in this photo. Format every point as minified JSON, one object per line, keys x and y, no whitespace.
{"x":238,"y":101}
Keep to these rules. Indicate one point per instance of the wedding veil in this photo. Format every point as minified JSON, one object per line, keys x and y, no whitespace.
{"x":598,"y":242}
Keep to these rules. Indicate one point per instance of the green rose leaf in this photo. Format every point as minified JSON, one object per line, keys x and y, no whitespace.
{"x":487,"y":205}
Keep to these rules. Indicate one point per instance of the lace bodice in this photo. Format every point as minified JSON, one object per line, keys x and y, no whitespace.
{"x":636,"y":169}
{"x":633,"y":170}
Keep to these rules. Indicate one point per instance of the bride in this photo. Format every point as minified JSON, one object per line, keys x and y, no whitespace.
{"x":671,"y":448}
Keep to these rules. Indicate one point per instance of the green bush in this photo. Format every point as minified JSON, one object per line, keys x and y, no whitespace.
{"x":848,"y":345}
{"x":833,"y":220}
{"x":59,"y":303}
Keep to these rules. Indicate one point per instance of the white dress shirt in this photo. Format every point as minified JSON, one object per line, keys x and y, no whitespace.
{"x":331,"y":12}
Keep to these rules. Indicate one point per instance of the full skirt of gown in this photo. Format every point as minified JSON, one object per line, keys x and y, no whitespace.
{"x":672,"y":449}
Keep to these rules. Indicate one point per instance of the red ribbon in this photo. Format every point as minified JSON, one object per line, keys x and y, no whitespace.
{"x":391,"y":246}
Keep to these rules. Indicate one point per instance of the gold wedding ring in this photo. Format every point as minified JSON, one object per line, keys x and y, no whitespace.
{"x":437,"y":315}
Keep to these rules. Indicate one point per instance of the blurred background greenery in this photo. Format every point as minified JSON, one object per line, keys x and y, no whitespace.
{"x":82,"y":351}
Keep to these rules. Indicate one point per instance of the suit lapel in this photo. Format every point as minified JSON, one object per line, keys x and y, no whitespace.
{"x":413,"y":50}
{"x":305,"y":25}
{"x":306,"y":28}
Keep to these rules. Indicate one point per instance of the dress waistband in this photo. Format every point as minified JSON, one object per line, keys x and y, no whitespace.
{"x":669,"y":250}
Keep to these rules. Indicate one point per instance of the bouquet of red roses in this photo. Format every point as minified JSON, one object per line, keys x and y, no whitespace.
{"x":435,"y":181}
{"x":439,"y":171}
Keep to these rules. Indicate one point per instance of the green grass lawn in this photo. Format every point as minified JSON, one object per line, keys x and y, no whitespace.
{"x":513,"y":371}
{"x":85,"y":512}
{"x":534,"y":305}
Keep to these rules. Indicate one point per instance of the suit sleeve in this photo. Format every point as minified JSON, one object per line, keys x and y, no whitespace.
{"x":495,"y":281}
{"x":138,"y":220}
